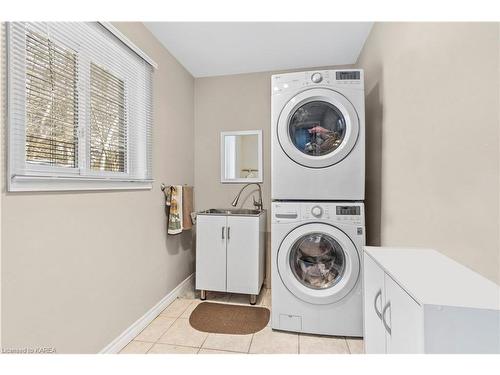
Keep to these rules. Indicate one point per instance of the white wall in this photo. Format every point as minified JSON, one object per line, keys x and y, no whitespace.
{"x":432,"y":118}
{"x":79,"y":268}
{"x":228,"y":103}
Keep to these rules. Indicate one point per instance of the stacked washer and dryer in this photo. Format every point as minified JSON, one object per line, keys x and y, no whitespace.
{"x":318,"y":225}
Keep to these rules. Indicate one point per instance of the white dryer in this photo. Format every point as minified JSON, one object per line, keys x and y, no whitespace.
{"x":316,"y":267}
{"x":318,"y":135}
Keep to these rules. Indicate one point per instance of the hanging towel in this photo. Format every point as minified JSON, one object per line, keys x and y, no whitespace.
{"x":168,"y":196}
{"x":174,"y":200}
{"x":187,"y":207}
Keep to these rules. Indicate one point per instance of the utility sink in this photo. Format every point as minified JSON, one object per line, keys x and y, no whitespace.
{"x":230,"y":251}
{"x":231,"y":211}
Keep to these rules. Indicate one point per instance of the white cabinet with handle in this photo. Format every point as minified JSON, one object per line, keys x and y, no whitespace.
{"x":401,"y":317}
{"x":373,"y":305}
{"x":420,"y":301}
{"x":230,"y":253}
{"x":211,"y":252}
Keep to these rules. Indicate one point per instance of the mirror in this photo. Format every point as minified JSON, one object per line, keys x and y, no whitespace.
{"x":241,"y":156}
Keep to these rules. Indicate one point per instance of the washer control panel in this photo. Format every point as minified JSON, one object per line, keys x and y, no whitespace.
{"x":342,"y":212}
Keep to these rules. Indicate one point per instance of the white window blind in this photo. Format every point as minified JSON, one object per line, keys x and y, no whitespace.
{"x":51,"y":103}
{"x":80,"y":108}
{"x":108,"y":138}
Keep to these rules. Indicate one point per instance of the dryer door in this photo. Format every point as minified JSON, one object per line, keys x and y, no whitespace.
{"x":318,"y":128}
{"x":318,"y":263}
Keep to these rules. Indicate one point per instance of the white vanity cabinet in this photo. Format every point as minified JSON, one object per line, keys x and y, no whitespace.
{"x":230,"y":252}
{"x":420,"y":301}
{"x":211,"y":252}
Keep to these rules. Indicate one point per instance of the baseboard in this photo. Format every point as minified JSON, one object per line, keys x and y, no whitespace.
{"x":128,"y":335}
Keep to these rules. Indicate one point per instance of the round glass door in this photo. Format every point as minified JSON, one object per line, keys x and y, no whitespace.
{"x":318,"y":263}
{"x":317,"y":260}
{"x":318,"y":128}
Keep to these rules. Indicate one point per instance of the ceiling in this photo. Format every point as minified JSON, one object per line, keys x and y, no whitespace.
{"x":222,"y":48}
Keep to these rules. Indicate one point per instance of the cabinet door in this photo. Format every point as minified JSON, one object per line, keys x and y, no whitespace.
{"x":211,"y":253}
{"x":243,"y":255}
{"x":403,"y":320}
{"x":373,"y":294}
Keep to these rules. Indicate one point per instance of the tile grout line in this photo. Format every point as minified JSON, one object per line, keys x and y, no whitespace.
{"x":183,"y":346}
{"x":203,"y":343}
{"x":147,"y":351}
{"x":251,"y":341}
{"x":223,"y":350}
{"x":170,"y":326}
{"x":156,"y":342}
{"x":253,"y":334}
{"x":153,"y":342}
{"x":175,"y":320}
{"x":347,"y":344}
{"x":201,"y":346}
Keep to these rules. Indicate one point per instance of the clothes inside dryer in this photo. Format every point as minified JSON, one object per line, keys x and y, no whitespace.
{"x":317,"y":260}
{"x":317,"y":128}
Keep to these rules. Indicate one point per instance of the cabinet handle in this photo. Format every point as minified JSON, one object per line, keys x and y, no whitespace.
{"x":387,"y":328}
{"x":223,"y":230}
{"x":379,"y":294}
{"x":228,"y":233}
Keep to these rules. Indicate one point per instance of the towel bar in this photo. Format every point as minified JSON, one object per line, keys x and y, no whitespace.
{"x":163,"y":186}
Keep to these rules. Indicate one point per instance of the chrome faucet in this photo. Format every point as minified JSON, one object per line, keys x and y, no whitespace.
{"x":255,"y":203}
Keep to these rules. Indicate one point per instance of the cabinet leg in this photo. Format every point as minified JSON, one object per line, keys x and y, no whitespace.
{"x":253,"y":299}
{"x":203,"y":295}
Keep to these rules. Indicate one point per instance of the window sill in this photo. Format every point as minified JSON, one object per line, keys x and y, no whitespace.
{"x":20,"y":183}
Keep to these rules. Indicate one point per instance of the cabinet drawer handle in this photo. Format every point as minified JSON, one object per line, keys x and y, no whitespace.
{"x":387,"y":327}
{"x":379,"y":294}
{"x":228,"y":233}
{"x":223,"y":230}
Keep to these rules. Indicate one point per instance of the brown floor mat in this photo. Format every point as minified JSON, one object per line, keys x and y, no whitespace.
{"x":229,"y":319}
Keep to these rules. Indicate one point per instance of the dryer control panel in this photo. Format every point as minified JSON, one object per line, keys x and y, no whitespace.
{"x":333,"y":78}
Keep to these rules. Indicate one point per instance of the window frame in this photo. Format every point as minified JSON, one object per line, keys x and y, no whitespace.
{"x":82,"y":177}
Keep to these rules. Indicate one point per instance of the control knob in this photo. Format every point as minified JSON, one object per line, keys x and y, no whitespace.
{"x":317,"y":211}
{"x":316,"y":77}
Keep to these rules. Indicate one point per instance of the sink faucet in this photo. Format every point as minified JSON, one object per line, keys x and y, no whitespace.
{"x":255,"y":203}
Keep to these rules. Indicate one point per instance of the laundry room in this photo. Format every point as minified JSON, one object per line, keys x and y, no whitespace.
{"x":194,"y":186}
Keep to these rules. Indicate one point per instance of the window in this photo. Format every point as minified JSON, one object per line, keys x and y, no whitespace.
{"x":107,"y":121}
{"x":80,"y":108}
{"x":51,"y":103}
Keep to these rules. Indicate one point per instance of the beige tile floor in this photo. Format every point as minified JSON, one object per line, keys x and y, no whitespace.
{"x":171,"y":333}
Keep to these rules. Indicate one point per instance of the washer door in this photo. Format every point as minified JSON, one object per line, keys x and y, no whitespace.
{"x":318,"y":128}
{"x":318,"y":263}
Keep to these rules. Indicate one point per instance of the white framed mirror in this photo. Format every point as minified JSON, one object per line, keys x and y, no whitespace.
{"x":241,"y":156}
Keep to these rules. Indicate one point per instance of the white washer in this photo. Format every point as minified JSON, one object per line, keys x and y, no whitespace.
{"x":318,"y":135}
{"x":316,"y":267}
